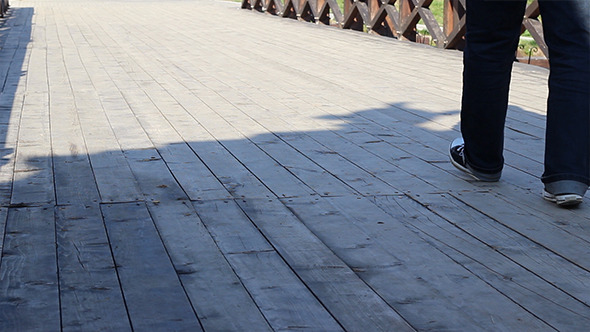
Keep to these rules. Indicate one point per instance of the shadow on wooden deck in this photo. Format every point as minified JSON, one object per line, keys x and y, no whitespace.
{"x":363,"y":228}
{"x":147,"y":208}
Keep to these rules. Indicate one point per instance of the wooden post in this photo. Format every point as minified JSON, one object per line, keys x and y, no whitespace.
{"x":454,"y":24}
{"x":405,"y":9}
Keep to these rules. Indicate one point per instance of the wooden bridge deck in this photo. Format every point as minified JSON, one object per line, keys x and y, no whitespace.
{"x":187,"y":165}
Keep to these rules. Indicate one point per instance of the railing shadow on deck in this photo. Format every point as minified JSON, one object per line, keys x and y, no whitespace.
{"x":393,"y":128}
{"x":396,"y":18}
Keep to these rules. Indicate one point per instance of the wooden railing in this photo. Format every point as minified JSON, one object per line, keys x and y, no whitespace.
{"x":393,"y":18}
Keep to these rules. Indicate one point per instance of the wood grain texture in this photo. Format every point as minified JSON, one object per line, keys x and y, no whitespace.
{"x":281,"y":296}
{"x":218,"y":296}
{"x":405,"y":269}
{"x":158,"y":301}
{"x":263,"y":175}
{"x":29,"y":298}
{"x":347,"y":298}
{"x":560,"y":303}
{"x":90,"y":293}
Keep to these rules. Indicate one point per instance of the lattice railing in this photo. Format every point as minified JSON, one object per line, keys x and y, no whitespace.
{"x":394,"y":18}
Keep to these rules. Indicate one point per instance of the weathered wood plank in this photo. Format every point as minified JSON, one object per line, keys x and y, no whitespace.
{"x":427,"y":173}
{"x":195,"y":178}
{"x":548,"y":231}
{"x":348,"y":299}
{"x":11,"y":101}
{"x":153,"y":177}
{"x":74,"y":180}
{"x":114,"y":179}
{"x":216,"y":293}
{"x":33,"y":176}
{"x":90,"y":293}
{"x":360,"y":97}
{"x":272,"y":127}
{"x":319,"y":179}
{"x":153,"y":294}
{"x":281,"y":296}
{"x":277,"y":284}
{"x":3,"y":217}
{"x":146,"y":102}
{"x":249,"y":124}
{"x":29,"y":297}
{"x":536,"y":279}
{"x":408,"y":272}
{"x":269,"y":120}
{"x":277,"y":179}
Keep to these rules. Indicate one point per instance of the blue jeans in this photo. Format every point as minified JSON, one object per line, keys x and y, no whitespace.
{"x":493,"y":30}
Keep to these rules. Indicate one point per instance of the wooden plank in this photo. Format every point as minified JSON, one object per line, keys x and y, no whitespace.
{"x":536,"y":279}
{"x":343,"y":168}
{"x":274,"y":119}
{"x":11,"y":101}
{"x":237,"y":180}
{"x":432,"y":174}
{"x":425,"y":286}
{"x":340,"y":102}
{"x":216,"y":73}
{"x":226,"y":168}
{"x":270,"y":121}
{"x":424,"y":172}
{"x":275,"y":284}
{"x":154,"y":296}
{"x":216,"y":293}
{"x":29,"y":298}
{"x":435,"y":139}
{"x":429,"y":173}
{"x":231,"y":229}
{"x":566,"y":240}
{"x":90,"y":293}
{"x":194,"y":177}
{"x":74,"y":180}
{"x":114,"y":179}
{"x":277,"y":179}
{"x":33,"y":177}
{"x":204,"y":117}
{"x":113,"y":176}
{"x":351,"y":98}
{"x":153,"y":177}
{"x":319,"y":179}
{"x":3,"y":217}
{"x":281,"y":296}
{"x":348,"y":299}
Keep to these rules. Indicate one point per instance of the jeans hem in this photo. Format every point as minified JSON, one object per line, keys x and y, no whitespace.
{"x":562,"y":177}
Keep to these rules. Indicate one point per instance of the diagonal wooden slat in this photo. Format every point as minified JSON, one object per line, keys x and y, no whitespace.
{"x":325,"y":7}
{"x":383,"y":17}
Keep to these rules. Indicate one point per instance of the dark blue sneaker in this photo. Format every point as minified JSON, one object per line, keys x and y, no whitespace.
{"x":457,"y":155}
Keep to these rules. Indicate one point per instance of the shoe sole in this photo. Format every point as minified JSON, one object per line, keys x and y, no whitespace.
{"x":563,"y":199}
{"x":478,"y":177}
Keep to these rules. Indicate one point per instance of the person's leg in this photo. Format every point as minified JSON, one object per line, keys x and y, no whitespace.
{"x":492,"y":35}
{"x":566,"y":26}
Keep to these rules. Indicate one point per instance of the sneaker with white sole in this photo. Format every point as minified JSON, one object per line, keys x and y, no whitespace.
{"x":457,"y":156}
{"x":565,"y":193}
